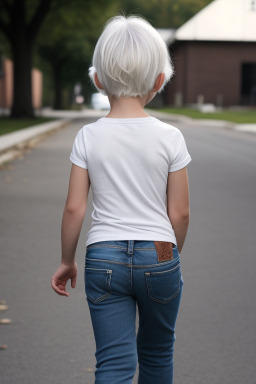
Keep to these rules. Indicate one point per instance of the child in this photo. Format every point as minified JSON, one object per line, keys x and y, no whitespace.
{"x":136,"y":166}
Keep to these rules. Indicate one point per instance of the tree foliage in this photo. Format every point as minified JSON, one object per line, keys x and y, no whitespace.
{"x":164,"y":13}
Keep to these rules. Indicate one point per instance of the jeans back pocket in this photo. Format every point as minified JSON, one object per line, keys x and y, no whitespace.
{"x":163,"y":286}
{"x":97,"y":283}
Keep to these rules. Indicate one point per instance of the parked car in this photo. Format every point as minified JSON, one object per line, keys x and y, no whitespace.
{"x":99,"y":101}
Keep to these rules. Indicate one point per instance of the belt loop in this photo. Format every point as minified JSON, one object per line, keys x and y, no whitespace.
{"x":130,"y":246}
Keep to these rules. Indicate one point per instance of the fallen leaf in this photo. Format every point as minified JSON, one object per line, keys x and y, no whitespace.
{"x":3,"y":307}
{"x":3,"y":346}
{"x":89,"y":369}
{"x":5,"y":321}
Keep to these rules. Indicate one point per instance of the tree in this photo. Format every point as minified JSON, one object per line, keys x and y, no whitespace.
{"x":67,"y":39}
{"x":21,"y":29}
{"x":164,"y":13}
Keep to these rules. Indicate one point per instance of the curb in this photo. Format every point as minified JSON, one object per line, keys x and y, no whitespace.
{"x":13,"y":143}
{"x":212,"y":123}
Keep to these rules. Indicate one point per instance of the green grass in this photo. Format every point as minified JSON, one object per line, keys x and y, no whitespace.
{"x":239,"y":117}
{"x":8,"y":125}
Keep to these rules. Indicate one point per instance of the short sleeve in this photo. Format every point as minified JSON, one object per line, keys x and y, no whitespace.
{"x":180,"y":156}
{"x":78,"y":153}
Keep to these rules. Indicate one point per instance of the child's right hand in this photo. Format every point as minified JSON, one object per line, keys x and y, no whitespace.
{"x":61,"y":277}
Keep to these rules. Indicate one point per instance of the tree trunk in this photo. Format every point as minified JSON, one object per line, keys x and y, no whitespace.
{"x":57,"y":86}
{"x":22,"y":88}
{"x":21,"y":35}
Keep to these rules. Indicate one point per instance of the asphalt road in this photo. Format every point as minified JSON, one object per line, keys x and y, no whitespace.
{"x":50,"y":339}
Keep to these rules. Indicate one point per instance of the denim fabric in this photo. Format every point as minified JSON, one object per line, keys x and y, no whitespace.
{"x":118,"y":276}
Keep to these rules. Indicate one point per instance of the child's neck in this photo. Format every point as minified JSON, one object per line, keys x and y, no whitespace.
{"x":130,"y":107}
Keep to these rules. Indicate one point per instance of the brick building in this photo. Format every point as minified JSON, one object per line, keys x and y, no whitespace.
{"x":214,"y":55}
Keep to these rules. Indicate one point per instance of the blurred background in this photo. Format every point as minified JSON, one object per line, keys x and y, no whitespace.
{"x":46,"y":48}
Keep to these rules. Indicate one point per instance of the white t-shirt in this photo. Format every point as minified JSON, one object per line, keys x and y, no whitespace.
{"x":128,"y":160}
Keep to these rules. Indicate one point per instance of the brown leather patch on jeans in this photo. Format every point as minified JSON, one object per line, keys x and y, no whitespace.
{"x":164,"y":250}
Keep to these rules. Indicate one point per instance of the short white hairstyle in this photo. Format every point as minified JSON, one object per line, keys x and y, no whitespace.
{"x":128,"y":57}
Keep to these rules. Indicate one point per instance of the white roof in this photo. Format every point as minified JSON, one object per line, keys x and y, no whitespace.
{"x":168,"y":35}
{"x":222,"y":20}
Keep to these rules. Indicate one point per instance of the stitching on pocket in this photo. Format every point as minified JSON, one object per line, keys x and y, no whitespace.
{"x":107,"y":275}
{"x":162,"y":272}
{"x":149,"y":276}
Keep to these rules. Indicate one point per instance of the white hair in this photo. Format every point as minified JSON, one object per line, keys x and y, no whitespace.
{"x":129,"y":56}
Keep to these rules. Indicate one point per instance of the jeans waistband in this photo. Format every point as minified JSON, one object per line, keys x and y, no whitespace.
{"x":128,"y":245}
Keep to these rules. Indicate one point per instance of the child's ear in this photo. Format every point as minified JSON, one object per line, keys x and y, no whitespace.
{"x":97,"y":82}
{"x":159,"y":82}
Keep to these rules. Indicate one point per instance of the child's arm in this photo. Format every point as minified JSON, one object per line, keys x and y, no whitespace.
{"x":178,"y":208}
{"x":73,"y":216}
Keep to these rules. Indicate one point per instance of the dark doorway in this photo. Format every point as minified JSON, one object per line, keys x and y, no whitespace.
{"x":248,"y":89}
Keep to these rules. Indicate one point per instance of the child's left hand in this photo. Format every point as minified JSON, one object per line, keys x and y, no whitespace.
{"x":61,"y":276}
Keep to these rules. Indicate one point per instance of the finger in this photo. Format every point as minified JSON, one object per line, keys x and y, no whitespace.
{"x":73,"y":282}
{"x":58,"y":290}
{"x":61,"y":292}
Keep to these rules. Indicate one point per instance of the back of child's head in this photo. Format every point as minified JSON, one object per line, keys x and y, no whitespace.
{"x":129,"y":56}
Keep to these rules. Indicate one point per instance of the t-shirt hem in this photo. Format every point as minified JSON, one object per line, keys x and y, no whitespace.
{"x":116,"y":237}
{"x":77,"y":162}
{"x":180,"y":165}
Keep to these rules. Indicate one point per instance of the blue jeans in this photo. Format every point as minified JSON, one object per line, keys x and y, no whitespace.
{"x":119,"y":274}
